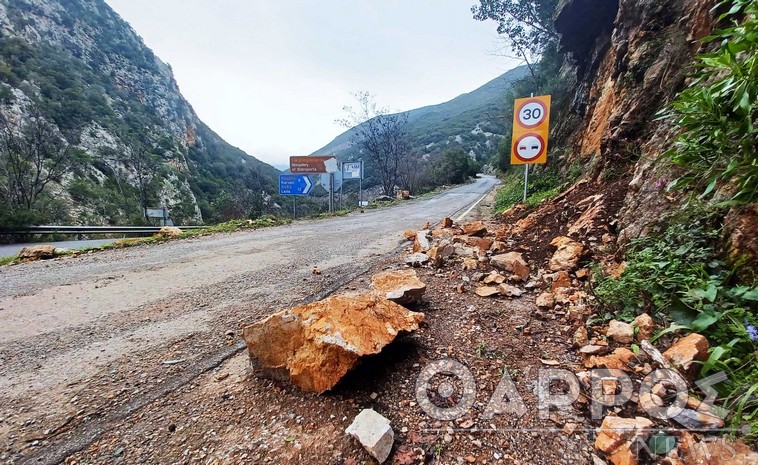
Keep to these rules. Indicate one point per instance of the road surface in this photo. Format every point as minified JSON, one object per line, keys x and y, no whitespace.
{"x":88,"y":342}
{"x":11,"y":250}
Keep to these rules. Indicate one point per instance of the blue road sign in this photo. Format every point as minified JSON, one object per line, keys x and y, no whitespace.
{"x":294,"y":184}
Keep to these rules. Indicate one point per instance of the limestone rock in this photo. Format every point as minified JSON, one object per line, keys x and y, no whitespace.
{"x":568,"y":254}
{"x":645,"y":327}
{"x":410,"y":235}
{"x":470,"y":263}
{"x":581,"y":337}
{"x":474,"y":228}
{"x":545,"y":300}
{"x":374,"y":433}
{"x":721,"y":452}
{"x":616,"y":438}
{"x":694,"y":420}
{"x":37,"y":252}
{"x":446,"y":222}
{"x":512,"y":262}
{"x":487,"y":291}
{"x":510,"y":291}
{"x":498,"y":247}
{"x":620,"y":332}
{"x":687,"y":350}
{"x":170,"y":231}
{"x":440,"y":252}
{"x":422,"y":242}
{"x":494,"y":278}
{"x":417,"y":259}
{"x":402,"y":287}
{"x":315,"y":345}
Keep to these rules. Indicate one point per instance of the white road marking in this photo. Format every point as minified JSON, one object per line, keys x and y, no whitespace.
{"x":472,"y":207}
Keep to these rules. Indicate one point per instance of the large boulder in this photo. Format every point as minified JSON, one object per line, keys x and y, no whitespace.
{"x":315,"y":345}
{"x":512,"y":262}
{"x":402,"y":287}
{"x":170,"y":231}
{"x":37,"y":252}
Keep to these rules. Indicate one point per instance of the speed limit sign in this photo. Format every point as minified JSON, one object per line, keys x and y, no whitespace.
{"x":531,"y":124}
{"x":532,"y":113}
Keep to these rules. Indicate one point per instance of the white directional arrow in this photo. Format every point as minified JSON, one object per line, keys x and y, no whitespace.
{"x":308,"y":185}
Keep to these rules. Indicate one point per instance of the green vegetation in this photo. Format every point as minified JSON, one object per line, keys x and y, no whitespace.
{"x":680,"y":277}
{"x":542,"y":185}
{"x":717,"y":113}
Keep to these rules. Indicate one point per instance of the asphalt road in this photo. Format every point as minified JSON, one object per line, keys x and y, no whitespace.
{"x":93,"y":333}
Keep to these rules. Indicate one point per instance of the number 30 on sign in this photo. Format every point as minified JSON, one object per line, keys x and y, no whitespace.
{"x":531,"y":124}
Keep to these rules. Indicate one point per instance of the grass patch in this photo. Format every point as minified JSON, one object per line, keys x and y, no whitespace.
{"x":542,"y":186}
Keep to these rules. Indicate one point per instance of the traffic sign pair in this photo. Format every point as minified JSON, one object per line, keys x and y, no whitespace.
{"x":531,"y":124}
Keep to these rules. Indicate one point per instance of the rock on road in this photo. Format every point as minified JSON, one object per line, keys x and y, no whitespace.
{"x":87,"y":335}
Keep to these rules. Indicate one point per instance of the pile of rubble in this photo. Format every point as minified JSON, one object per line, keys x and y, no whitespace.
{"x":495,"y":268}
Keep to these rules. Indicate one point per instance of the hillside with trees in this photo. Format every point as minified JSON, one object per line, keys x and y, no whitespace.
{"x":93,"y":127}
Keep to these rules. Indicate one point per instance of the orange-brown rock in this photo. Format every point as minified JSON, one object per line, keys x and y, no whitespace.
{"x":481,"y":243}
{"x":410,"y":235}
{"x":315,"y":345}
{"x":617,"y":436}
{"x":591,"y":217}
{"x":446,"y":222}
{"x":568,"y":254}
{"x":509,"y":291}
{"x":512,"y":262}
{"x":402,"y":287}
{"x":620,"y":359}
{"x":562,"y":279}
{"x":37,"y":252}
{"x":581,"y":337}
{"x":470,"y":263}
{"x":545,"y":300}
{"x":487,"y":291}
{"x":645,"y":327}
{"x":721,"y":451}
{"x":474,"y":228}
{"x":498,"y":247}
{"x":685,"y":352}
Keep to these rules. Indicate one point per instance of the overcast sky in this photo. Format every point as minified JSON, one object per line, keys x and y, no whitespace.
{"x":271,"y":76}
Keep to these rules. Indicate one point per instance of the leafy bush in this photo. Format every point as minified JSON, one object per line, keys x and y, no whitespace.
{"x":542,"y":185}
{"x":680,"y":277}
{"x":716,"y":114}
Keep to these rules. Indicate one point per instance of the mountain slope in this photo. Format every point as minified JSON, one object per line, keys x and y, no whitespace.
{"x":83,"y":69}
{"x":473,"y":122}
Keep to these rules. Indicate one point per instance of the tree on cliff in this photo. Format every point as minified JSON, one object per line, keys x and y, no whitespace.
{"x":527,"y":25}
{"x":381,"y":136}
{"x":32,"y":155}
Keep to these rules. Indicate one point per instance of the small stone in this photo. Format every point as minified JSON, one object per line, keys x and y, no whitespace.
{"x":581,"y":337}
{"x":494,"y":278}
{"x":402,"y":287}
{"x":512,"y":262}
{"x":374,"y":433}
{"x":568,"y":254}
{"x":374,"y":396}
{"x":693,"y":420}
{"x":645,"y":327}
{"x":447,"y":222}
{"x":562,"y":279}
{"x":37,"y":252}
{"x":422,"y":242}
{"x":620,"y":332}
{"x":510,"y":291}
{"x":487,"y":291}
{"x":545,"y":300}
{"x":616,"y":438}
{"x":417,"y":259}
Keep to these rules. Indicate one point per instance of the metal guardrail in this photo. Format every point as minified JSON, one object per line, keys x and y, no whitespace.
{"x":89,"y":229}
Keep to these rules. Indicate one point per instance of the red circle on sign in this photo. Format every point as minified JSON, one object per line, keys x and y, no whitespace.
{"x":521,"y":107}
{"x":524,"y":136}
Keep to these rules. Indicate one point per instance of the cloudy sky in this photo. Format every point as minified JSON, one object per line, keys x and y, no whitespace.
{"x":272,"y":76}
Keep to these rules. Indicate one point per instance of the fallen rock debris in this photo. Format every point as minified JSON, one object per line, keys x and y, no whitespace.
{"x":374,"y":433}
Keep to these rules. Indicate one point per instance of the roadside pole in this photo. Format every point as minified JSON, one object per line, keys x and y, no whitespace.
{"x":294,"y":210}
{"x":331,"y":192}
{"x":526,"y":179}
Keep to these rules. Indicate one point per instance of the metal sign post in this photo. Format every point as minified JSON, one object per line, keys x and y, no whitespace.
{"x":526,"y":179}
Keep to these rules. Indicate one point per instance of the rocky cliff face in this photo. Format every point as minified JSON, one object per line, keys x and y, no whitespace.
{"x":631,"y":57}
{"x":110,"y":96}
